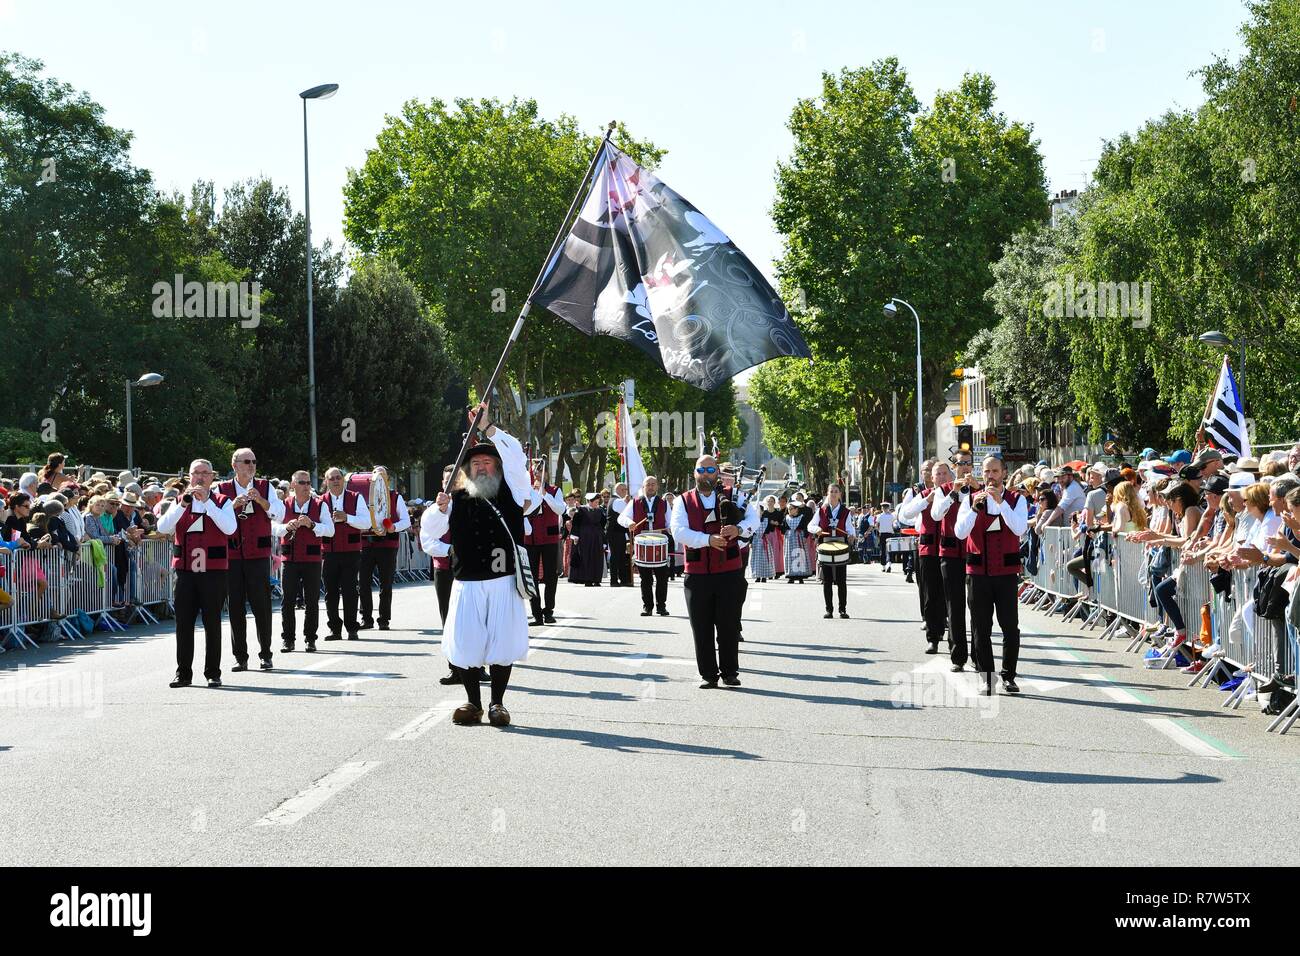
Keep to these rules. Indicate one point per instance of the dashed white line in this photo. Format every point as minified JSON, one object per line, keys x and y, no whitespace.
{"x":429,"y":718}
{"x":297,"y":807}
{"x":1186,"y":739}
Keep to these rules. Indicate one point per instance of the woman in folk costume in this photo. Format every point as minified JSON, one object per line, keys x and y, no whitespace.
{"x":487,"y":619}
{"x":800,"y":546}
{"x":587,"y":558}
{"x":768,"y":543}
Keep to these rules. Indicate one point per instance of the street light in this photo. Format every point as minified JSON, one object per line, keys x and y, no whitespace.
{"x":891,"y":312}
{"x":144,"y":381}
{"x":1219,"y":340}
{"x":322,"y":92}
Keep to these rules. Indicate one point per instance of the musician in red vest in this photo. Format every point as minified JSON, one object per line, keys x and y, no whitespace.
{"x":831,"y":523}
{"x":714,"y":577}
{"x":649,"y":512}
{"x":201,"y":522}
{"x":991,"y":522}
{"x":342,"y":551}
{"x":952,"y":553}
{"x":256,"y":505}
{"x":929,"y":566}
{"x":307,"y":524}
{"x":542,"y":538}
{"x":379,"y":550}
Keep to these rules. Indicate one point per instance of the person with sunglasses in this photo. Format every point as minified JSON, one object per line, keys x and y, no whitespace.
{"x":308,"y":523}
{"x":714,"y":575}
{"x":248,"y":580}
{"x":948,"y":500}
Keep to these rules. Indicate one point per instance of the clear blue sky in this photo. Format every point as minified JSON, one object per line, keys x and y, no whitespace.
{"x":210,"y":89}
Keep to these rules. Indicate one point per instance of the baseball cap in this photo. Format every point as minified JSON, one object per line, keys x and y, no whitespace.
{"x":1189,"y":472}
{"x":1209,"y":454}
{"x":1181,"y":457}
{"x":1148,"y":454}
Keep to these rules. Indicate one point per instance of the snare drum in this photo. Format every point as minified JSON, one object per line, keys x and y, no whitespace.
{"x":900,"y":546}
{"x":833,"y":552}
{"x":650,"y":550}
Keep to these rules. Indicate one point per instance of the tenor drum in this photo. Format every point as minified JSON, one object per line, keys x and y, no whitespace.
{"x":900,"y":546}
{"x":650,"y":550}
{"x":833,"y":552}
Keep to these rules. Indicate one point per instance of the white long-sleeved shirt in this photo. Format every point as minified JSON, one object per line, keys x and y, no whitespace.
{"x":324,"y":528}
{"x":429,"y":543}
{"x":514,"y":468}
{"x":679,"y":524}
{"x":816,"y":524}
{"x":223,"y":517}
{"x":942,"y":504}
{"x":625,"y":516}
{"x":1072,"y":499}
{"x":359,"y":519}
{"x":1016,"y":519}
{"x":275,"y":507}
{"x":912,"y":507}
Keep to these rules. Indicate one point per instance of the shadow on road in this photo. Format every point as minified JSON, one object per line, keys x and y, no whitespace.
{"x":625,"y":744}
{"x":1049,"y":776}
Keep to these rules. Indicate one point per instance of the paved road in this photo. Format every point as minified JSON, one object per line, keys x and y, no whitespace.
{"x":846,"y":744}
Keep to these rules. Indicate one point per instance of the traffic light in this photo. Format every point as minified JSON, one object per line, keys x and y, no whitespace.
{"x":965,"y":438}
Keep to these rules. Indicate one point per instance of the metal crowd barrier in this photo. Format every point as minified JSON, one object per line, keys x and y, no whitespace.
{"x":1249,"y":645}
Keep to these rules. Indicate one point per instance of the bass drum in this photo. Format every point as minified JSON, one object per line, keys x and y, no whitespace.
{"x":374,"y":488}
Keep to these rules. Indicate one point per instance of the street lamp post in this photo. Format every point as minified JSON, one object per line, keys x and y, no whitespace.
{"x":891,"y":312}
{"x":1222,"y":341}
{"x":322,"y":92}
{"x":145,"y":380}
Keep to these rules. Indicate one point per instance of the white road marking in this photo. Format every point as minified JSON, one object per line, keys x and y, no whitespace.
{"x":1186,"y":739}
{"x":297,"y":807}
{"x":635,"y":661}
{"x":965,"y":683}
{"x":429,"y":718}
{"x":1118,"y":694}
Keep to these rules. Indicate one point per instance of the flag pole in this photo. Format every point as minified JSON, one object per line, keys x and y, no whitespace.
{"x":528,"y":302}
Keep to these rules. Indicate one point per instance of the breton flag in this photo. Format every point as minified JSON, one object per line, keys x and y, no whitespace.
{"x":1225,"y":418}
{"x":633,"y":469}
{"x":644,"y":265}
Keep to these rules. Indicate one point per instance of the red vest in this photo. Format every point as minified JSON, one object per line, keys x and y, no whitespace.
{"x":389,"y":540}
{"x":252,"y":539}
{"x":927,"y":529}
{"x":839,"y":528}
{"x":545,"y":523}
{"x":444,"y":564}
{"x":211,"y":542}
{"x":346,"y":538}
{"x":993,"y":552}
{"x":305,"y":545}
{"x":950,"y":546}
{"x":658,"y":522}
{"x":708,"y":560}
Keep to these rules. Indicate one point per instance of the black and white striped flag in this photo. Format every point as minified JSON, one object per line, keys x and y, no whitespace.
{"x":1225,"y":418}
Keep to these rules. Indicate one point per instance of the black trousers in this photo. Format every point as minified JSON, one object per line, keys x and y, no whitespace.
{"x":934,"y":606}
{"x":991,"y":593}
{"x":713,"y":604}
{"x":620,"y":564}
{"x":197,"y":594}
{"x":953,"y":571}
{"x":654,"y":587}
{"x":340,"y":574}
{"x":300,"y":577}
{"x":916,"y":568}
{"x":385,"y":559}
{"x":835,"y":576}
{"x":545,"y":560}
{"x":442,"y":578}
{"x":884,"y":553}
{"x":249,"y":580}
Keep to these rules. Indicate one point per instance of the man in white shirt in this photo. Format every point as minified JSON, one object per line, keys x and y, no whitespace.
{"x":886,"y":526}
{"x":256,"y":506}
{"x":307,"y":525}
{"x":351,"y":517}
{"x":379,"y":552}
{"x":831,"y":522}
{"x":649,"y":512}
{"x":1069,"y":491}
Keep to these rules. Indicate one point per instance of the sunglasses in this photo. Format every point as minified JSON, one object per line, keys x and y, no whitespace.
{"x":302,"y":482}
{"x":246,"y":461}
{"x":706,"y":471}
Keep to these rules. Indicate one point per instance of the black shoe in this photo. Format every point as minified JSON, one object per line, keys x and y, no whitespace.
{"x":214,"y":681}
{"x":709,"y":685}
{"x":240,"y":666}
{"x":731,"y":681}
{"x":286,"y":647}
{"x":957,"y":668}
{"x":537,"y":622}
{"x":383,"y":627}
{"x":662,"y":612}
{"x":933,"y":648}
{"x":909,"y":580}
{"x":548,"y":617}
{"x":311,"y":647}
{"x":844,"y":614}
{"x":828,"y":614}
{"x":449,"y":680}
{"x":354,"y":636}
{"x":1009,"y":685}
{"x":646,"y":613}
{"x":366,"y":625}
{"x":179,"y":681}
{"x":333,"y":637}
{"x":265,"y":665}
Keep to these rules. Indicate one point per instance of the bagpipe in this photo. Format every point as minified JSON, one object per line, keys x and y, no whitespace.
{"x":737,"y":485}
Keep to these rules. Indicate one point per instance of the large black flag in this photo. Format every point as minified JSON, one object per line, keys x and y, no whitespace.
{"x":644,"y":265}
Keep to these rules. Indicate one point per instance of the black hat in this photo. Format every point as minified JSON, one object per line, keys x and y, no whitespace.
{"x":1217,"y":485}
{"x":1190,"y":472}
{"x":484,"y":448}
